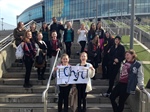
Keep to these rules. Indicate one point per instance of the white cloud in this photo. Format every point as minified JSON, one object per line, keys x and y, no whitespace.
{"x":9,"y":9}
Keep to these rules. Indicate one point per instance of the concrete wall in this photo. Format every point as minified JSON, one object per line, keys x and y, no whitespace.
{"x":134,"y":102}
{"x":7,"y":57}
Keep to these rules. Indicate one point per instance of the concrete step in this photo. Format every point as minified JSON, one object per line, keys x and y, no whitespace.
{"x":52,"y":107}
{"x":21,"y":74}
{"x":37,"y":98}
{"x":40,"y":88}
{"x":48,"y":64}
{"x":35,"y":81}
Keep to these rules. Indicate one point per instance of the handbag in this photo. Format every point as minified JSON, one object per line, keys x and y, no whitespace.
{"x":19,"y":52}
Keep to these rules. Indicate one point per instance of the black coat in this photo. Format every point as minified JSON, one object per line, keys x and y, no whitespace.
{"x":57,"y":27}
{"x":100,"y":33}
{"x":94,"y":54}
{"x":108,"y":43}
{"x":51,"y":50}
{"x":65,"y":35}
{"x":118,"y":53}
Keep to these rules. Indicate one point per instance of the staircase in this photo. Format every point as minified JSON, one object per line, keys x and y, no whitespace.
{"x":5,"y":33}
{"x":15,"y":98}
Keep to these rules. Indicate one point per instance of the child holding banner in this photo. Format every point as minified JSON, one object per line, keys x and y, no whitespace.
{"x":84,"y":88}
{"x":64,"y":89}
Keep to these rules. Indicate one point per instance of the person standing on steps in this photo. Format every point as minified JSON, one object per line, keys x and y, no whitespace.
{"x":82,"y":39}
{"x":91,"y":32}
{"x":116,"y":57}
{"x":19,"y":33}
{"x":100,"y":32}
{"x":94,"y":52}
{"x":42,"y":47}
{"x":57,"y":27}
{"x":68,"y":37}
{"x":131,"y":75}
{"x":108,"y":43}
{"x":29,"y":54}
{"x":64,"y":89}
{"x":34,"y":32}
{"x":84,"y":88}
{"x":54,"y":45}
{"x":45,"y":33}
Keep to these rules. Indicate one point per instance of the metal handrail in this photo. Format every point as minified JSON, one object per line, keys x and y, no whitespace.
{"x":45,"y":93}
{"x":9,"y":39}
{"x":144,"y":102}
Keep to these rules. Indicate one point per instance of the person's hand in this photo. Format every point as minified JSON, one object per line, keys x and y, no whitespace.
{"x":55,"y":69}
{"x":91,"y":68}
{"x":21,"y":37}
{"x":22,"y":44}
{"x":58,"y":49}
{"x":44,"y":54}
{"x":116,"y":60}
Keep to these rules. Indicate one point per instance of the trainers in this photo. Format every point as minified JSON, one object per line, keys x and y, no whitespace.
{"x":106,"y":94}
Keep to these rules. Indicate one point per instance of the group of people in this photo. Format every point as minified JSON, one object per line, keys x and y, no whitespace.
{"x":101,"y":48}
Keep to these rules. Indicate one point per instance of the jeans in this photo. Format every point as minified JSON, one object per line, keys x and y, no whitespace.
{"x":68,"y":48}
{"x":81,"y":96}
{"x":63,"y":97}
{"x":28,"y":65}
{"x":82,"y":43}
{"x":113,"y":71}
{"x":119,"y":91}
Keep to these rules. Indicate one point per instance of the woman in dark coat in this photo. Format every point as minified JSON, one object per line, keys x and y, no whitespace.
{"x":19,"y":33}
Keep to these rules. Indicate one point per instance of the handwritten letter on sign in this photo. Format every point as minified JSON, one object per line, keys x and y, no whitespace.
{"x":72,"y":75}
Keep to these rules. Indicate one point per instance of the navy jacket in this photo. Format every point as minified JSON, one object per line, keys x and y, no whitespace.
{"x":136,"y":77}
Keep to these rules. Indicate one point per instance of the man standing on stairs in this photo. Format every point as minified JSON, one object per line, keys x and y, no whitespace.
{"x":116,"y":56}
{"x":56,"y":27}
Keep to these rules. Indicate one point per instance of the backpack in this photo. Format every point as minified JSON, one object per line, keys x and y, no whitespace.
{"x":19,"y":52}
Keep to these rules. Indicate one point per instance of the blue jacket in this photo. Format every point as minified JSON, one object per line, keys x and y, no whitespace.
{"x":136,"y":77}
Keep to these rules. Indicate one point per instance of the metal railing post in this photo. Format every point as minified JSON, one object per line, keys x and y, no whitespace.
{"x":45,"y":103}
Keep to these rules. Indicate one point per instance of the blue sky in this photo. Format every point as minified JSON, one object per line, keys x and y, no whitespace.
{"x":9,"y":9}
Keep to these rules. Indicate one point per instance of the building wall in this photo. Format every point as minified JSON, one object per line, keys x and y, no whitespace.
{"x":76,"y":9}
{"x":32,"y":13}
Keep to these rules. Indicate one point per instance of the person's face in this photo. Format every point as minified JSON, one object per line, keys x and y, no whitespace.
{"x":54,"y":20}
{"x":82,"y":26}
{"x":93,"y":26}
{"x":107,"y":35}
{"x":117,"y":41}
{"x":65,"y":60}
{"x":44,"y":25}
{"x":128,"y":57}
{"x":54,"y":35}
{"x":29,"y":35}
{"x":40,"y":36}
{"x":99,"y":25}
{"x":21,"y":25}
{"x":33,"y":26}
{"x":96,"y":38}
{"x":69,"y":24}
{"x":83,"y":57}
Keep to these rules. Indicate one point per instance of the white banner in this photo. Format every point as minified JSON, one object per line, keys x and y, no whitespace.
{"x":72,"y":75}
